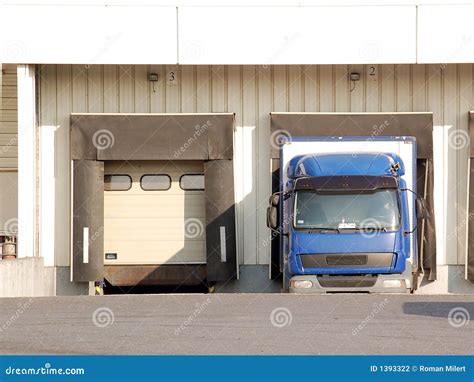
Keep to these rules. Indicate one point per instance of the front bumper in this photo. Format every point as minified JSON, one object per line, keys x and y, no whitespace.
{"x":378,"y":284}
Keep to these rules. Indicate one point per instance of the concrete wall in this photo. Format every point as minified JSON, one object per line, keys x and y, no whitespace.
{"x":27,"y":277}
{"x":252,"y":92}
{"x":249,"y":32}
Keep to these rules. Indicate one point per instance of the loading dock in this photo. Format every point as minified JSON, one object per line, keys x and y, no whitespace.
{"x":141,"y":212}
{"x":144,"y":214}
{"x":112,"y":70}
{"x":66,"y":89}
{"x":285,"y":126}
{"x":154,"y":215}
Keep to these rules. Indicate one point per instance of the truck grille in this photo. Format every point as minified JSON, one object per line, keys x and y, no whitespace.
{"x":339,"y":260}
{"x":346,"y":260}
{"x":363,"y":281}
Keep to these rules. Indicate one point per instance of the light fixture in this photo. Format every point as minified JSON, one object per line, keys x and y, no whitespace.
{"x":153,"y":77}
{"x":301,"y":284}
{"x":394,"y":283}
{"x":354,"y":76}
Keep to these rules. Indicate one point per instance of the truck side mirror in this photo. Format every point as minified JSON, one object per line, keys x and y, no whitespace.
{"x":272,"y":217}
{"x":422,"y":211}
{"x":275,"y":199}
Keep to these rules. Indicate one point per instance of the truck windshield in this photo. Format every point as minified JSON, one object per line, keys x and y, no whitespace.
{"x":347,"y":211}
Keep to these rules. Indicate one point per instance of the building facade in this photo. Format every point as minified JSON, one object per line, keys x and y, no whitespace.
{"x":304,"y":68}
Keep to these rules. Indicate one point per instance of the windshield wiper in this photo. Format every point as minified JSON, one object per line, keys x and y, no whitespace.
{"x":324,"y":230}
{"x":384,"y":229}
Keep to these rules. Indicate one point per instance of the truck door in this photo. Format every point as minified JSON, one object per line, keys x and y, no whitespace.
{"x":87,"y":263}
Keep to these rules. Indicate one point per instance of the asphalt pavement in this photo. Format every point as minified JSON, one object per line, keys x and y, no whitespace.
{"x":238,"y":324}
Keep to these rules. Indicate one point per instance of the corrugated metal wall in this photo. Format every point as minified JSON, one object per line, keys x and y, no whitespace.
{"x":8,"y":149}
{"x":252,"y":92}
{"x":8,"y":118}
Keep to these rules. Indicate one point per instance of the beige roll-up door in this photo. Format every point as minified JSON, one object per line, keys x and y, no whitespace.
{"x":149,"y":218}
{"x":8,"y":118}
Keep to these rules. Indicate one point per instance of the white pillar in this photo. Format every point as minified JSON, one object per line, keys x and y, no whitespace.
{"x":440,"y":187}
{"x":47,"y":185}
{"x":26,"y":160}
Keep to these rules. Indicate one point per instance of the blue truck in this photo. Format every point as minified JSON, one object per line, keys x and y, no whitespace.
{"x":346,"y":214}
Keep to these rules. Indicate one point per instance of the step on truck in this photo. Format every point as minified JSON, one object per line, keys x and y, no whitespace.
{"x":346,"y":214}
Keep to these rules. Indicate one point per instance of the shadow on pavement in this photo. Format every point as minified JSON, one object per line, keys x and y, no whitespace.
{"x":439,"y":309}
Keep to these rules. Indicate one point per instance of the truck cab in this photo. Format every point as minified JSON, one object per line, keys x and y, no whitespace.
{"x":346,"y":219}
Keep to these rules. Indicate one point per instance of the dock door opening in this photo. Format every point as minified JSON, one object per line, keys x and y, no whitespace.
{"x":153,"y":198}
{"x":371,"y":125}
{"x":154,"y":213}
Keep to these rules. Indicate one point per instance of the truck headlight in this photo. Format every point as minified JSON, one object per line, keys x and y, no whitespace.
{"x":394,"y":283}
{"x":301,"y":284}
